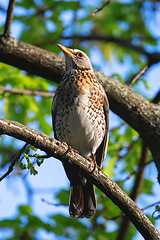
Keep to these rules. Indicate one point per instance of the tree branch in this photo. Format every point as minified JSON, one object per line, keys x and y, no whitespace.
{"x":135,"y":172}
{"x":151,"y":205}
{"x":127,"y":43}
{"x":134,"y":193}
{"x":32,"y":59}
{"x":138,"y":75}
{"x":54,"y":148}
{"x":138,"y":112}
{"x":100,"y":9}
{"x":122,"y":214}
{"x":2,"y":9}
{"x":26,"y":92}
{"x":7,"y":28}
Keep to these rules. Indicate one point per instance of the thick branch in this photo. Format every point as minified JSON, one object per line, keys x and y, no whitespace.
{"x":139,"y":113}
{"x":32,"y":59}
{"x":54,"y":148}
{"x":127,"y":43}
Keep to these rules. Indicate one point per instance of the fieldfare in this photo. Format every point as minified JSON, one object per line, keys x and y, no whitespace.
{"x":80,"y":114}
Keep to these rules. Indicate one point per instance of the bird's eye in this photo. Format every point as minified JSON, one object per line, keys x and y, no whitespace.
{"x":79,"y":54}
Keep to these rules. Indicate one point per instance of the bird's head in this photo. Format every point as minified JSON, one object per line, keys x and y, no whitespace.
{"x":76,"y":59}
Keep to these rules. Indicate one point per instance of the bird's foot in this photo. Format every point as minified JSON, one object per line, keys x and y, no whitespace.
{"x":75,"y":151}
{"x":72,"y":150}
{"x":90,"y":159}
{"x":65,"y":144}
{"x":69,"y":148}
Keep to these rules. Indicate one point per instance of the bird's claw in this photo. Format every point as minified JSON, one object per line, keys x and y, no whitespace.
{"x":69,"y":148}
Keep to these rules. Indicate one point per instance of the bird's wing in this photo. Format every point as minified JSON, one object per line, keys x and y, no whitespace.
{"x":54,"y":111}
{"x":101,"y":151}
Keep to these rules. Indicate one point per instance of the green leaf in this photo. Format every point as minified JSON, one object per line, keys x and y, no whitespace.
{"x":22,"y":165}
{"x":156,"y":213}
{"x":32,"y":148}
{"x":24,"y":210}
{"x":10,"y":223}
{"x":39,"y":161}
{"x":145,"y":82}
{"x":63,"y":197}
{"x":65,"y":226}
{"x":117,"y":76}
{"x":31,"y":167}
{"x":147,"y":187}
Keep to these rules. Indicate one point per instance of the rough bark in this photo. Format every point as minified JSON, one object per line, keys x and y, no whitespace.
{"x":54,"y":148}
{"x":139,"y":113}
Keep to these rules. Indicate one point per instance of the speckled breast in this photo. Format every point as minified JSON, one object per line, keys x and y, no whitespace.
{"x":80,"y":120}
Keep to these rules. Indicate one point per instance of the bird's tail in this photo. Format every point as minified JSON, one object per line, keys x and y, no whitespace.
{"x":82,"y":199}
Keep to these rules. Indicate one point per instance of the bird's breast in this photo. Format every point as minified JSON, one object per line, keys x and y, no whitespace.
{"x":80,"y":122}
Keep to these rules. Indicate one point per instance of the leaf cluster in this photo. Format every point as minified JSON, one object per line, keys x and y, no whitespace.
{"x":28,"y":155}
{"x":25,"y":225}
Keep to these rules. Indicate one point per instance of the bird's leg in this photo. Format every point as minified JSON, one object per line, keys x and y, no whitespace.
{"x":95,"y":164}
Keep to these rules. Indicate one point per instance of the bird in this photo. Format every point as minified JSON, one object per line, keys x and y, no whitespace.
{"x":80,"y":117}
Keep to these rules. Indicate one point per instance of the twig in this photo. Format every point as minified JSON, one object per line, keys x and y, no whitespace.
{"x":43,"y":156}
{"x":2,"y":9}
{"x":128,"y":148}
{"x":53,"y":204}
{"x":151,"y":205}
{"x":16,"y":158}
{"x":40,"y":156}
{"x":7,"y":28}
{"x":122,"y":214}
{"x":101,"y":8}
{"x":138,"y":75}
{"x":27,"y":92}
{"x":135,"y":172}
{"x":114,"y":218}
{"x":116,"y":128}
{"x":121,"y":182}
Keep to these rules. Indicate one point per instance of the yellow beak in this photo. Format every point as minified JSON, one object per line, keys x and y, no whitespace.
{"x":65,"y":50}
